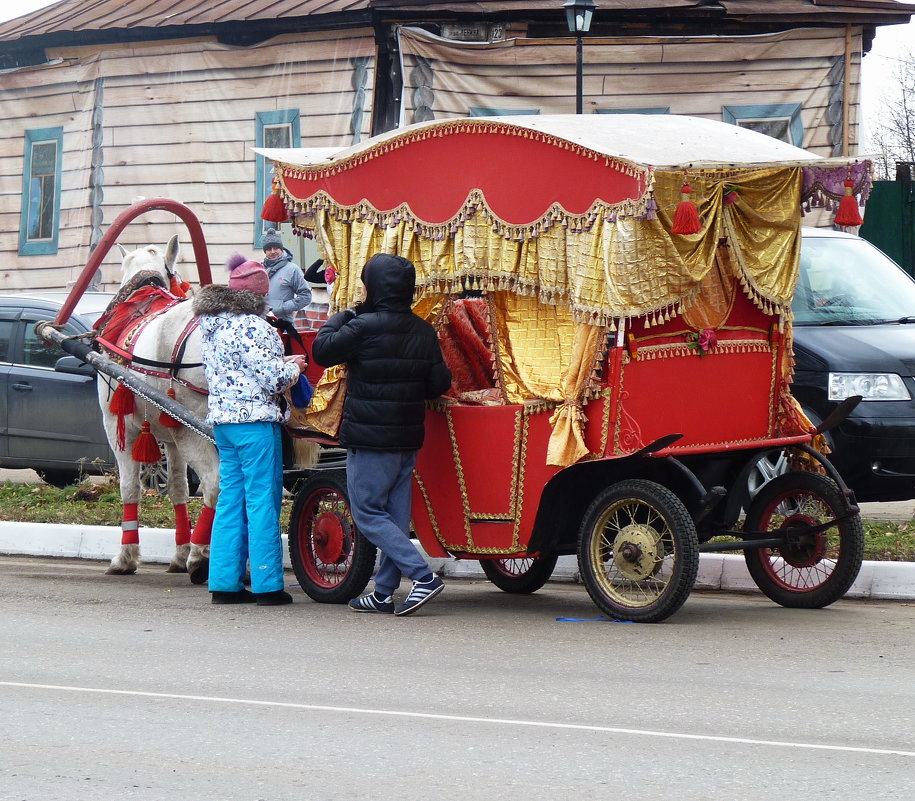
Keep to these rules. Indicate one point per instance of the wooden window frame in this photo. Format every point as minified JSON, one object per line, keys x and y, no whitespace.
{"x":767,"y":111}
{"x":49,"y":245}
{"x":643,"y":110}
{"x":486,"y":111}
{"x":263,"y":187}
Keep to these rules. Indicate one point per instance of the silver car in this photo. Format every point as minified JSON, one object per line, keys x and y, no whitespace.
{"x":49,"y":414}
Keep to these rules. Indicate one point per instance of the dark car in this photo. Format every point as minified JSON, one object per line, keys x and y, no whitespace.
{"x":854,"y":334}
{"x":49,"y":414}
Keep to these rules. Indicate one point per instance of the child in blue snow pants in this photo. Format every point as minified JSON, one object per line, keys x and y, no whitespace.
{"x":246,"y":526}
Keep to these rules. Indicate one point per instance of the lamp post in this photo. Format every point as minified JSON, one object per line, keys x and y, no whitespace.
{"x":578,"y":18}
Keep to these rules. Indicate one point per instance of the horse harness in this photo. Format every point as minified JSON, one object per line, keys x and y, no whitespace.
{"x":138,"y":303}
{"x":126,"y":317}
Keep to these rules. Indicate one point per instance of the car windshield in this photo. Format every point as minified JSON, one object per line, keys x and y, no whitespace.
{"x":849,"y":282}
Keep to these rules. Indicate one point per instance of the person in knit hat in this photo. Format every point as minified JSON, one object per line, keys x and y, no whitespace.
{"x":246,"y":371}
{"x":289,"y":291}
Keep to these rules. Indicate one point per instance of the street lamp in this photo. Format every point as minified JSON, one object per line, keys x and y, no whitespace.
{"x":578,"y":18}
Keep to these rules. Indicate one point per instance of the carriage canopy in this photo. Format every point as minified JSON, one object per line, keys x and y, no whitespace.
{"x":575,"y":210}
{"x":569,"y":227}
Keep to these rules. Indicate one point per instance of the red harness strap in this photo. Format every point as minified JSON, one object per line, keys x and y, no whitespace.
{"x":119,"y":327}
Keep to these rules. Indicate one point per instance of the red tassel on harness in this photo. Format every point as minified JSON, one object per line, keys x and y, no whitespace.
{"x":122,"y":401}
{"x":165,"y":419}
{"x":274,"y":209}
{"x":122,"y":404}
{"x":686,"y":218}
{"x":848,"y":213}
{"x":178,"y":288}
{"x":146,"y":449}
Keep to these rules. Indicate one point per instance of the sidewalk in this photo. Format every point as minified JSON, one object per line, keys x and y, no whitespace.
{"x":879,"y":580}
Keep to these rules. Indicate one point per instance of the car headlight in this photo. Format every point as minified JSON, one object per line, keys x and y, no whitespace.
{"x":870,"y":386}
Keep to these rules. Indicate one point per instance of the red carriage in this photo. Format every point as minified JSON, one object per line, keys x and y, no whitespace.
{"x":612,"y":294}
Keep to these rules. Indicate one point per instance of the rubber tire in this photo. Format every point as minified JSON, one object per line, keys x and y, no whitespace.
{"x":328,"y":486}
{"x":850,"y":543}
{"x":59,"y":478}
{"x":524,"y":582}
{"x":646,"y":495}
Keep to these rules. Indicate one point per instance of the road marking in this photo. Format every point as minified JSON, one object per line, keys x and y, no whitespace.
{"x":462,"y":718}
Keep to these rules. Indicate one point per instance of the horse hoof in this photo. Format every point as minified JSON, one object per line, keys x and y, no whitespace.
{"x":120,"y":571}
{"x":200,"y":572}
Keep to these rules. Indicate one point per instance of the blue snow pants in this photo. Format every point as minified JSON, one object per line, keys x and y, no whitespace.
{"x":247,"y":521}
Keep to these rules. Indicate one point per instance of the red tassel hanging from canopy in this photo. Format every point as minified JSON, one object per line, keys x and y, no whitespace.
{"x":121,"y":404}
{"x":274,"y":209}
{"x":848,"y":213}
{"x":165,"y":419}
{"x":686,"y":218}
{"x":146,"y":449}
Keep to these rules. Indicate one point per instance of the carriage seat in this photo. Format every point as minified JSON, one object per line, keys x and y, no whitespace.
{"x":466,"y":340}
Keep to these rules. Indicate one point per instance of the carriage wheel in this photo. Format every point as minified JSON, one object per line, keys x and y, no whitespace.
{"x":638,"y":552}
{"x":811,"y":570}
{"x":520,"y":576}
{"x":331,"y":559}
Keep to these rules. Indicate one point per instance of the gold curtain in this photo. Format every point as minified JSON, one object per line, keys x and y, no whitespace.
{"x":624,"y":267}
{"x":555,"y":295}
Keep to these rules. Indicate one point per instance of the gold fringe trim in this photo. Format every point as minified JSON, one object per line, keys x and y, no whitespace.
{"x":678,"y":349}
{"x":450,"y":128}
{"x":304,"y":210}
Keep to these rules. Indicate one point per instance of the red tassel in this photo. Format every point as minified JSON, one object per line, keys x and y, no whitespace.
{"x":179,"y":288}
{"x":122,"y":404}
{"x":274,"y":209}
{"x":165,"y":419}
{"x":146,"y":449}
{"x":848,"y":213}
{"x":122,"y":401}
{"x":686,"y":218}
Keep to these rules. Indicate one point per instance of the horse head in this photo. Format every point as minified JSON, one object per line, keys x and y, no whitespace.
{"x":151,"y":258}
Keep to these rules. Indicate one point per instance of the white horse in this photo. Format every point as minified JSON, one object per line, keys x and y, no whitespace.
{"x":157,"y":343}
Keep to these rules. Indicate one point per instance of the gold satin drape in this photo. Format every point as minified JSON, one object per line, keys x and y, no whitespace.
{"x":624,"y":267}
{"x":557,"y":294}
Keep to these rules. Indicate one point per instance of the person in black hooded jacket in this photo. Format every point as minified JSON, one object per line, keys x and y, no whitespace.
{"x":394,"y":364}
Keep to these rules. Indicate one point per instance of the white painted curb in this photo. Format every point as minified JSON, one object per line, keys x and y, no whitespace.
{"x":879,"y":580}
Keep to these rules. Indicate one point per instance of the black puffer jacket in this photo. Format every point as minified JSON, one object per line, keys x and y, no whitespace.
{"x":393,"y":359}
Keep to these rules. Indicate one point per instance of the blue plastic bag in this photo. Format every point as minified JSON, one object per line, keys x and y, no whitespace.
{"x":301,"y":392}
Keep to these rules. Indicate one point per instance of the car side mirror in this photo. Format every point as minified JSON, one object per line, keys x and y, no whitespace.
{"x":72,"y":365}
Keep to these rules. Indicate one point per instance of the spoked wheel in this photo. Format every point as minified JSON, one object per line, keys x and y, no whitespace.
{"x":521,"y":576}
{"x":818,"y":562}
{"x":638,"y":552}
{"x":331,"y":559}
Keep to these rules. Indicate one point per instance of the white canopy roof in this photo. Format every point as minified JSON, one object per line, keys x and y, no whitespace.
{"x":663,"y":141}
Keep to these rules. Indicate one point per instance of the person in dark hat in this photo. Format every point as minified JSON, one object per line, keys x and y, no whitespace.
{"x":246,"y":371}
{"x":289,"y":291}
{"x":394,"y":364}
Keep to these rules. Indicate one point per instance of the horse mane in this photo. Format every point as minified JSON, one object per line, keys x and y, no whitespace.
{"x":135,"y":282}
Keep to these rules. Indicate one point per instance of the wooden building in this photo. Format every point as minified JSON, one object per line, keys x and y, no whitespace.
{"x":109,"y":101}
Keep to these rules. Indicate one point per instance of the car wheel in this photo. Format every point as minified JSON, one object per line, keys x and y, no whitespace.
{"x":154,"y":476}
{"x":767,"y":467}
{"x":59,"y":478}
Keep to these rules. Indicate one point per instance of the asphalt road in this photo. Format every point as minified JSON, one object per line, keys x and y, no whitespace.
{"x":137,"y":687}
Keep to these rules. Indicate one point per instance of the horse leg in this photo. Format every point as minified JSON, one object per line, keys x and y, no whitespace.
{"x":204,"y":458}
{"x":178,"y":493}
{"x":127,"y":560}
